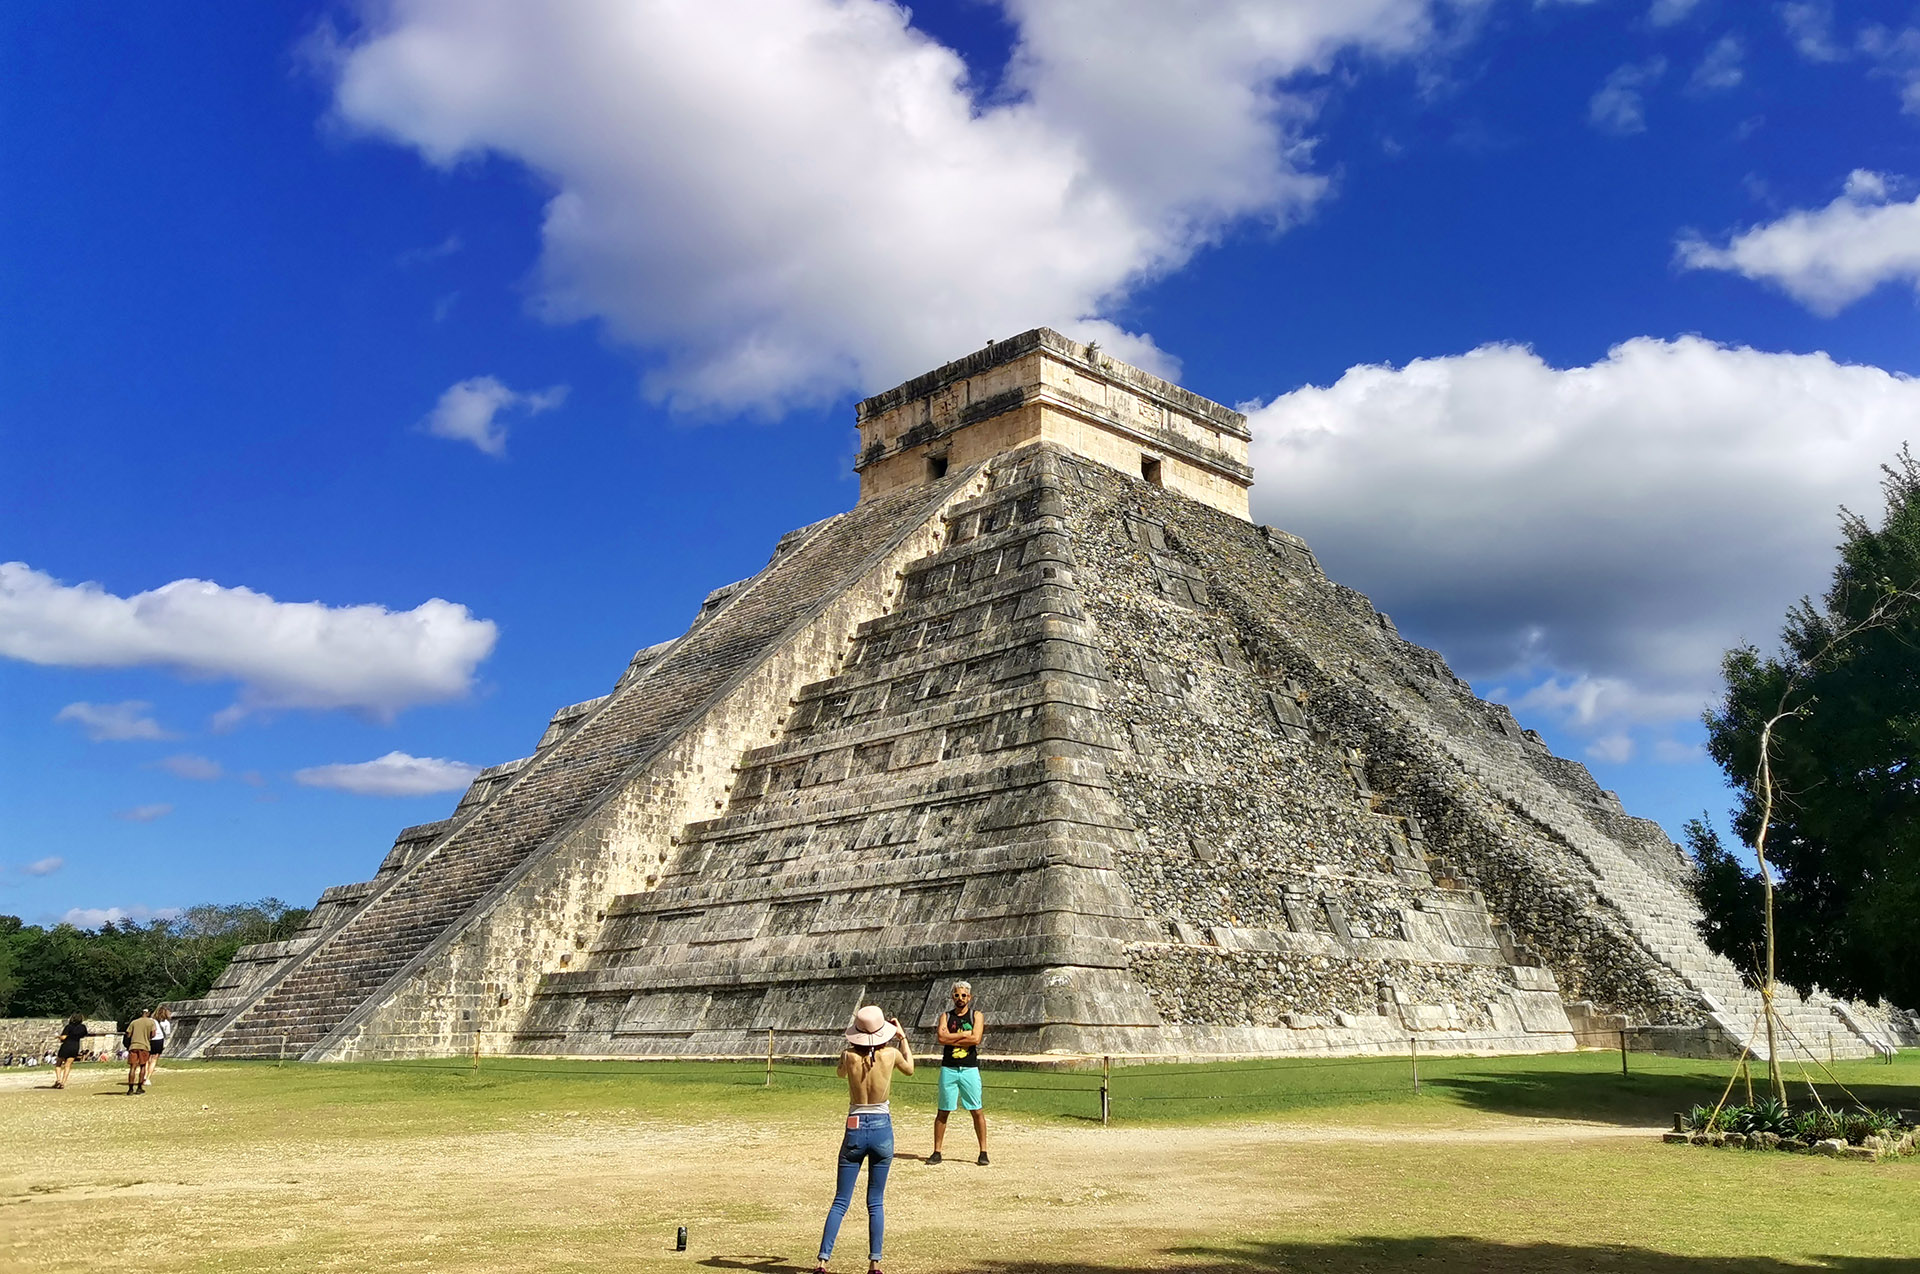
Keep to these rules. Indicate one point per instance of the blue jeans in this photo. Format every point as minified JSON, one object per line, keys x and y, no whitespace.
{"x":870,"y":1143}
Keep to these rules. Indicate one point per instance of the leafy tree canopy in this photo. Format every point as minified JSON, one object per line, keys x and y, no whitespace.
{"x":111,"y":971}
{"x":1844,"y":838}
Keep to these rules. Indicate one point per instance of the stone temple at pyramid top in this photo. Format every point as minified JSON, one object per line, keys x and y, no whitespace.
{"x":1042,"y":386}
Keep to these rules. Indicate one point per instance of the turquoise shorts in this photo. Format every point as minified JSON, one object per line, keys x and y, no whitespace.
{"x":959,"y":1088}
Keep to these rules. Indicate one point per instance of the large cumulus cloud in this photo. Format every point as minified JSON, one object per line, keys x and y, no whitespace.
{"x":1596,"y":535}
{"x":784,"y":199}
{"x":284,"y":654}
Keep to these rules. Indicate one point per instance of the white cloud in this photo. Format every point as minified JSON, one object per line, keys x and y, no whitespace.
{"x":1585,"y":701}
{"x":782,"y":199}
{"x":1619,"y":105}
{"x":1597,"y":536}
{"x":1664,"y":13}
{"x":283,"y":654}
{"x":103,"y":722}
{"x":1893,"y":54}
{"x":44,"y":866}
{"x":1810,"y":27}
{"x":144,"y":813}
{"x":425,"y":256}
{"x":95,"y":917}
{"x":473,"y":410}
{"x":1829,"y":257}
{"x":1615,"y":749}
{"x":1720,"y":68}
{"x":1674,"y":752}
{"x":187,"y":766}
{"x":395,"y":774}
{"x":1897,"y":56}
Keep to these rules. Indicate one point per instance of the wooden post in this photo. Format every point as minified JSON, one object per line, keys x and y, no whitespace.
{"x":476,"y":1048}
{"x":282,"y":1061}
{"x":1623,"y":1052}
{"x":1829,"y":1048}
{"x":769,"y":1057}
{"x":1106,"y":1090}
{"x":1413,"y":1055}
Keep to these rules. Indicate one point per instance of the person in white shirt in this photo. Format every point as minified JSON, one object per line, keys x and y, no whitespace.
{"x":162,"y":1027}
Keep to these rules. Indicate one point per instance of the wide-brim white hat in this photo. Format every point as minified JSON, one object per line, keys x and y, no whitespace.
{"x":870,"y":1028}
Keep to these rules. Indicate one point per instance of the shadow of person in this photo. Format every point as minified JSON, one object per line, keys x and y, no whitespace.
{"x":1447,"y":1254}
{"x":765,"y":1264}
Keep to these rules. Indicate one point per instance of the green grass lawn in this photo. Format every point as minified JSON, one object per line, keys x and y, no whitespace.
{"x":1586,"y":1086}
{"x":1332,"y":1165}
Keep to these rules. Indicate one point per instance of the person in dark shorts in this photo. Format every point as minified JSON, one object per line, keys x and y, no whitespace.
{"x":875,"y":1048}
{"x":960,"y":1031}
{"x":139,"y":1039}
{"x":70,"y":1036}
{"x":162,"y":1027}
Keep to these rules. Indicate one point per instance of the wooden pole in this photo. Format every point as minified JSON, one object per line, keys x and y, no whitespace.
{"x":283,"y":1052}
{"x":1623,"y":1052}
{"x":769,"y":1057}
{"x":476,"y":1048}
{"x":1106,"y":1090}
{"x":1413,"y":1054}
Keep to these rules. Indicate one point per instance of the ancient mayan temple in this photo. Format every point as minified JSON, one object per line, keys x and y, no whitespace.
{"x":1047,"y":711}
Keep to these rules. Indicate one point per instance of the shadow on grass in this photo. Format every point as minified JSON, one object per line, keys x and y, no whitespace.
{"x":1439,"y":1255}
{"x":1643,"y":1098}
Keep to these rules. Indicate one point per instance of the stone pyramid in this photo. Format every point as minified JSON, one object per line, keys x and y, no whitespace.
{"x":1045,"y":711}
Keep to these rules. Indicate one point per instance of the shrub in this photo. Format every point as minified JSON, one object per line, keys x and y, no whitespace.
{"x":1770,"y":1115}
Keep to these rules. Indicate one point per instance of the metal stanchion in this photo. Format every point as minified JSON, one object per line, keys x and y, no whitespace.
{"x":1623,"y":1052}
{"x":769,"y":1057}
{"x":1106,"y":1090}
{"x":1413,"y":1055}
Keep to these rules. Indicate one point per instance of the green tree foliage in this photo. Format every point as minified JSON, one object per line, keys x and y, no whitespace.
{"x":1845,"y":833}
{"x":1730,"y":895}
{"x":111,"y":971}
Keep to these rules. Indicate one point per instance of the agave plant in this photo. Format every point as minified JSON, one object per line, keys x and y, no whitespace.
{"x":1767,"y":1115}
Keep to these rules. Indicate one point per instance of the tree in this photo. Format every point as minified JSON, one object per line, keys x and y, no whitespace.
{"x":1731,"y":899}
{"x":1820,"y":742}
{"x":118,"y":968}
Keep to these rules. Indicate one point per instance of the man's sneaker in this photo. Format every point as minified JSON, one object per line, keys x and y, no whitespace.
{"x":934,"y":1157}
{"x":983,"y":1158}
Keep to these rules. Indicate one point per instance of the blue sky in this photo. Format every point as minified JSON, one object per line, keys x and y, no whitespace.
{"x":459,"y":349}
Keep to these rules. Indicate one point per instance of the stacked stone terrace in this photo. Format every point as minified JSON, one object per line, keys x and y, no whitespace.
{"x":995,"y":784}
{"x":1045,"y":711}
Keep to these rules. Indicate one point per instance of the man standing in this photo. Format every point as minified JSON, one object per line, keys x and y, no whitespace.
{"x":139,"y":1049}
{"x":960,"y":1030}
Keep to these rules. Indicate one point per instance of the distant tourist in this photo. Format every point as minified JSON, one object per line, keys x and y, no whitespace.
{"x":70,"y":1036}
{"x":162,"y":1027}
{"x":139,"y":1038}
{"x":960,"y":1030}
{"x":875,"y":1048}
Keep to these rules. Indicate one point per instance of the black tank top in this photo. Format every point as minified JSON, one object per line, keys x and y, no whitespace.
{"x":961,"y":1054}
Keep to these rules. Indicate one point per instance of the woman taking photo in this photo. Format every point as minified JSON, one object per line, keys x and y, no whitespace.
{"x":875,"y":1048}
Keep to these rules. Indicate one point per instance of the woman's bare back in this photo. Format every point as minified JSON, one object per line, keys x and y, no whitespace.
{"x":870,"y":1076}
